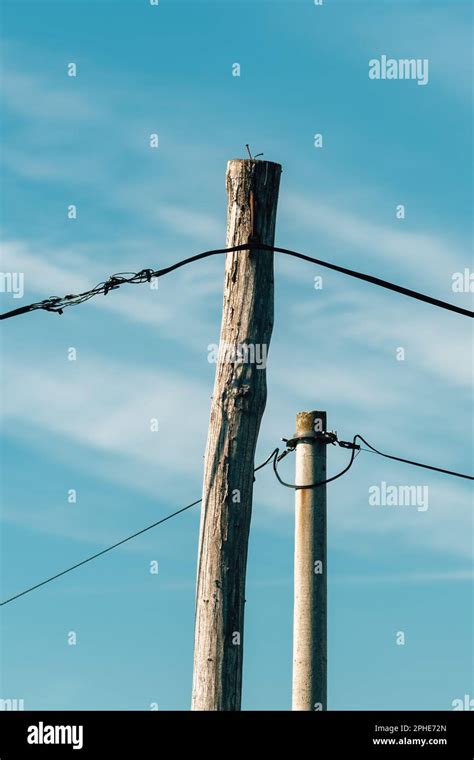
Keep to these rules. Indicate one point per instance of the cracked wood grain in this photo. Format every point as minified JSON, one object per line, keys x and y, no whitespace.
{"x":238,"y":403}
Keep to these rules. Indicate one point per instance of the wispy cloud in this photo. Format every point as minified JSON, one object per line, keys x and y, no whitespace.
{"x":407,"y":578}
{"x":29,"y":95}
{"x":423,"y":256}
{"x":67,"y":410}
{"x":70,"y":400}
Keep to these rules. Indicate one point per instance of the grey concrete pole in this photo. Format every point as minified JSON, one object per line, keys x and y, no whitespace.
{"x":310,"y":604}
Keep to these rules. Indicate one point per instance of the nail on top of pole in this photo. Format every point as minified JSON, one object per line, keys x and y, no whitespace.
{"x":252,"y":158}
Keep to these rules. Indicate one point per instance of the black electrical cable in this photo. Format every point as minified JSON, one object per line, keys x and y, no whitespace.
{"x":57,"y":304}
{"x":274,"y":457}
{"x":114,"y":546}
{"x":99,"y":554}
{"x":409,"y":461}
{"x":321,"y":482}
{"x":355,"y":448}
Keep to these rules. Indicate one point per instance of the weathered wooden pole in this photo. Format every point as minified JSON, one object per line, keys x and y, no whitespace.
{"x":310,"y":605}
{"x":237,"y":407}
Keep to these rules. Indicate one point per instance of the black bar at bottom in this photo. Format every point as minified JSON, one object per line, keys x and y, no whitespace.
{"x":375,"y":734}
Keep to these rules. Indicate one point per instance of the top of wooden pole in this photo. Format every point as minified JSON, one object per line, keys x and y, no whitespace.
{"x":252,"y":198}
{"x":242,"y":163}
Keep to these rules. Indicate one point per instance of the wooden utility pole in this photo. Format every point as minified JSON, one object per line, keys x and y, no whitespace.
{"x":310,"y":610}
{"x":238,"y":403}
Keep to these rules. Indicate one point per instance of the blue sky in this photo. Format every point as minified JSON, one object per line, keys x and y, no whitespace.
{"x":142,"y":354}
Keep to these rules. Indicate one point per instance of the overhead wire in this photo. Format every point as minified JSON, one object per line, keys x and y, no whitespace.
{"x":274,"y":457}
{"x":59,"y":303}
{"x":373,"y":450}
{"x":99,"y":554}
{"x":113,"y":546}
